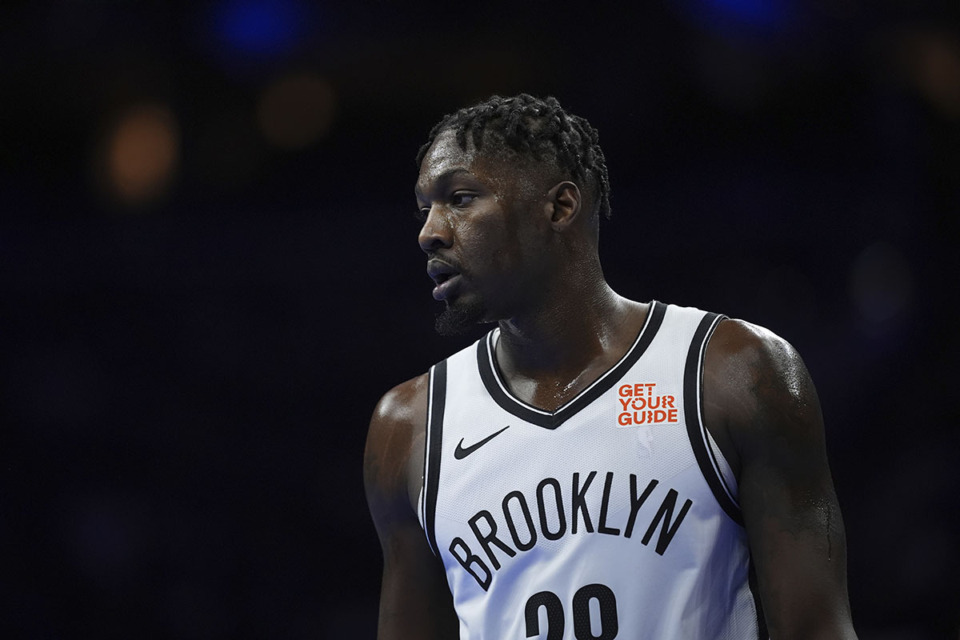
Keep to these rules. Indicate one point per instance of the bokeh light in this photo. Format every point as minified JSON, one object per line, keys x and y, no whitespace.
{"x":141,"y":155}
{"x":262,"y":27}
{"x":296,"y":111}
{"x":722,"y":15}
{"x":754,"y":11}
{"x":932,"y":60}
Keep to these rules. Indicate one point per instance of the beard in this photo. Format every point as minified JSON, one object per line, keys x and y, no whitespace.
{"x":459,"y":317}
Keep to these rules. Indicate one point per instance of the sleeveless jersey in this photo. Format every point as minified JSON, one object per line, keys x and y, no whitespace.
{"x":614,"y":516}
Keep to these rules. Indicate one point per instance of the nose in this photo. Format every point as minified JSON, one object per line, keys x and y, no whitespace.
{"x":435,"y":233}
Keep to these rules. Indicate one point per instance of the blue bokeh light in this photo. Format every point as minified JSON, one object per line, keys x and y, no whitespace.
{"x":260,"y":27}
{"x":733,"y":16}
{"x":756,"y":12}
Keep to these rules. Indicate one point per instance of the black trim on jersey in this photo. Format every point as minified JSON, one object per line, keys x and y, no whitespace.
{"x":762,"y":632}
{"x":551,"y":420}
{"x":696,"y":431}
{"x":431,"y":456}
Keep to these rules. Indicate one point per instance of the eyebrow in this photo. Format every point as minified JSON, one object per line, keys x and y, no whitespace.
{"x":446,"y":176}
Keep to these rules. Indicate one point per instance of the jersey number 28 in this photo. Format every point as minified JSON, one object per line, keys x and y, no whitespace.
{"x":582,"y":623}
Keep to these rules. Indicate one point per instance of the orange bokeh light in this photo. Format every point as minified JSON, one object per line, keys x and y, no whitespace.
{"x":142,"y":153}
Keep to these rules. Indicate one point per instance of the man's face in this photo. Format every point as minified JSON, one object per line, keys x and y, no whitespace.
{"x":482,"y":232}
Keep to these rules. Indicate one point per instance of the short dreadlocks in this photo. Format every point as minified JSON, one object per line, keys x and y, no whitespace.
{"x":536,"y":127}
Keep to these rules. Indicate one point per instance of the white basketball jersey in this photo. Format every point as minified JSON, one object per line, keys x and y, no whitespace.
{"x":614,"y":516}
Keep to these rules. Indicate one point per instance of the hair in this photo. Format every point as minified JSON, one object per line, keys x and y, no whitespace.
{"x":538,"y":128}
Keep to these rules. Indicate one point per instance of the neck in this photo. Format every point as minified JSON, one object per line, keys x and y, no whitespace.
{"x":585,"y":330}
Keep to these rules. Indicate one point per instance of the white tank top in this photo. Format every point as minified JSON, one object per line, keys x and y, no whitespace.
{"x":614,"y":516}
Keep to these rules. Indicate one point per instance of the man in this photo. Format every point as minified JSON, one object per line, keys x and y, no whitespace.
{"x":594,"y":467}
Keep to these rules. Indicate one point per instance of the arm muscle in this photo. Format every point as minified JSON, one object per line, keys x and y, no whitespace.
{"x":762,"y":408}
{"x":415,"y":602}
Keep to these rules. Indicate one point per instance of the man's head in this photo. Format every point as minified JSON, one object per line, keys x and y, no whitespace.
{"x":510,"y":191}
{"x":539,"y":129}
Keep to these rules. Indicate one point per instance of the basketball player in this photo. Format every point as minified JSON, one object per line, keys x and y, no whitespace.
{"x":594,"y":467}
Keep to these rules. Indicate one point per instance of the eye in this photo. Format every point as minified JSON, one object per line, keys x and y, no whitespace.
{"x":421,"y":214}
{"x":462,"y":198}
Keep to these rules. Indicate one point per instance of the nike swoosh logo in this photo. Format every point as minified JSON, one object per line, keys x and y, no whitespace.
{"x":462,"y":452}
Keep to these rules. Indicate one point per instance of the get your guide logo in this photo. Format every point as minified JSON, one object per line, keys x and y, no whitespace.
{"x":642,"y":404}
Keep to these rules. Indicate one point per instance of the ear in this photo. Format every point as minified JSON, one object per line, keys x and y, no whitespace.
{"x":564,"y":203}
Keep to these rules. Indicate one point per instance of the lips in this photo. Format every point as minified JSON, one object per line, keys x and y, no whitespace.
{"x":445,"y":276}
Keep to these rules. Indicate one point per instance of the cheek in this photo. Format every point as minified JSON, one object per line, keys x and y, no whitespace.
{"x":497,"y":244}
{"x":489,"y":260}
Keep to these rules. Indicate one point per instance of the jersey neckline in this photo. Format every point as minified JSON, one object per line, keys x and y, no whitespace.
{"x":498,"y":390}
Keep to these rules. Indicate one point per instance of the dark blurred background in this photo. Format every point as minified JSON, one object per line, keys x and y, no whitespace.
{"x":209,"y":274}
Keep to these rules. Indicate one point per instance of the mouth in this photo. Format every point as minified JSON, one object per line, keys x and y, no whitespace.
{"x":445,"y":276}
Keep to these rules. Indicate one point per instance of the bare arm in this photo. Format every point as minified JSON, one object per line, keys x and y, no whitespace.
{"x":761,"y":406}
{"x":415,"y":602}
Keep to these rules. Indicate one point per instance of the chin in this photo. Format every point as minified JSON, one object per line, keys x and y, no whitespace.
{"x":459,"y":317}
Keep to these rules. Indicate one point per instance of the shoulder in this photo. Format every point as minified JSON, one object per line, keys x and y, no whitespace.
{"x":394,"y":447}
{"x":741,"y":347}
{"x":402,"y":405}
{"x":756,"y":388}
